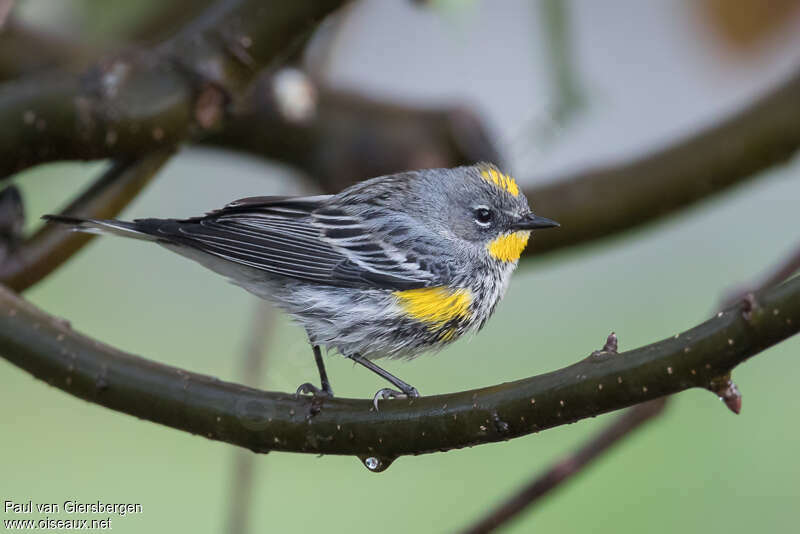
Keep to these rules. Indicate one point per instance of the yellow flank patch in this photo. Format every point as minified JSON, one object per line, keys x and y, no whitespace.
{"x":503,"y":181}
{"x":435,"y":305}
{"x":508,"y":247}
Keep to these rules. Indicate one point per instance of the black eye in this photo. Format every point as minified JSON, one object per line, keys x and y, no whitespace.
{"x":483,"y":216}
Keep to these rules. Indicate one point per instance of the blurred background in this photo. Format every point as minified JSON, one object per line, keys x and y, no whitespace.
{"x":559,"y":87}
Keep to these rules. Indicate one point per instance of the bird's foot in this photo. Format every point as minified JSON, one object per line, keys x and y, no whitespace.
{"x":310,"y":389}
{"x":387,"y":393}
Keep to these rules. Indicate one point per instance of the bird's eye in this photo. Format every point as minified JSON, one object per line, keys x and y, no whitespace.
{"x":483,"y":216}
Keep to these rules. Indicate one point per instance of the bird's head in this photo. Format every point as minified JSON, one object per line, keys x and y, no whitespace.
{"x":485,"y":207}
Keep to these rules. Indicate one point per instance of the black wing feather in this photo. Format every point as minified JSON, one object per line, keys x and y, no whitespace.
{"x":296,"y":237}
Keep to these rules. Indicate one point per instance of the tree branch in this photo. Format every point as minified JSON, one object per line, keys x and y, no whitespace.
{"x":263,"y":421}
{"x":349,"y":137}
{"x":240,"y":493}
{"x":25,"y":50}
{"x":43,"y":252}
{"x":565,"y":469}
{"x":589,"y":205}
{"x":776,"y":274}
{"x":133,"y":103}
{"x":598,"y":203}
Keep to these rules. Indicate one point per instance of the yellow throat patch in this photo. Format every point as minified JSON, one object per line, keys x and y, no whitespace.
{"x":503,"y":181}
{"x":509,"y":247}
{"x":435,"y":305}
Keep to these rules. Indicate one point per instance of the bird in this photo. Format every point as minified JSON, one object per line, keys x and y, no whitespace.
{"x":390,"y":267}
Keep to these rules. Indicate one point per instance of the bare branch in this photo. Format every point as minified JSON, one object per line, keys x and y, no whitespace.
{"x":25,"y":50}
{"x":598,"y":203}
{"x":240,"y":497}
{"x":43,"y":252}
{"x":565,"y":469}
{"x":263,"y":421}
{"x":133,"y":103}
{"x":348,"y":137}
{"x":589,"y":205}
{"x":775,"y":275}
{"x":12,"y":219}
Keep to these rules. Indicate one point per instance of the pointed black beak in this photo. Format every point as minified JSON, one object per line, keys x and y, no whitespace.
{"x":533,"y":222}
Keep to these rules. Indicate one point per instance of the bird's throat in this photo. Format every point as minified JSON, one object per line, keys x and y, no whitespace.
{"x":509,"y":247}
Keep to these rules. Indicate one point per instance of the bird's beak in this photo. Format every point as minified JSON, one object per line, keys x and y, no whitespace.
{"x":532,"y":221}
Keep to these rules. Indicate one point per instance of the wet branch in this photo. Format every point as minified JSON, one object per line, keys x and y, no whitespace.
{"x":37,"y":256}
{"x":563,"y":470}
{"x":49,"y":349}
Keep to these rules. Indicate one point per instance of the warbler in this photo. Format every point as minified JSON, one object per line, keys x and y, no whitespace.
{"x":390,"y":267}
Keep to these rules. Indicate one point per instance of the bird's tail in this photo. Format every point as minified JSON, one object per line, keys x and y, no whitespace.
{"x":100,"y":226}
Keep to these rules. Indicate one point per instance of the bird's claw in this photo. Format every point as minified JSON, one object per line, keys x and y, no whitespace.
{"x":388,"y":393}
{"x":310,"y":389}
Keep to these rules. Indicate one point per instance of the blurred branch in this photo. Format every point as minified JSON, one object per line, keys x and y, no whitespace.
{"x":127,"y":105}
{"x":775,"y":275}
{"x":240,"y":498}
{"x":50,"y":350}
{"x":12,"y":220}
{"x":36,"y":257}
{"x":135,"y":102}
{"x":566,"y":90}
{"x":331,"y":148}
{"x":565,"y":469}
{"x":25,"y":50}
{"x":339,"y":138}
{"x":168,"y":17}
{"x":605,"y":201}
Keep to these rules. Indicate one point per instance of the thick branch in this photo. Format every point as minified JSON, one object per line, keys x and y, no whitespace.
{"x":349,"y":137}
{"x":43,"y":252}
{"x":263,"y":421}
{"x":130,"y":104}
{"x":605,"y":201}
{"x":240,"y":493}
{"x":25,"y":50}
{"x":590,"y":205}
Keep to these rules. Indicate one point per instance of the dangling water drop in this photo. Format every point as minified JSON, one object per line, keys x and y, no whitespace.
{"x":372,"y":463}
{"x":376,"y":464}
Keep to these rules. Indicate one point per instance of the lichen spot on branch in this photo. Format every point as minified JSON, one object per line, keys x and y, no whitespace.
{"x":509,"y":247}
{"x":435,"y":306}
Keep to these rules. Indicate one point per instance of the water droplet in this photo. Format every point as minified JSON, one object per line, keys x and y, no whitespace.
{"x":376,"y":464}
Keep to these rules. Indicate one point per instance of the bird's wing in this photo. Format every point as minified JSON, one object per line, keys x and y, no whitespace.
{"x":297,"y":237}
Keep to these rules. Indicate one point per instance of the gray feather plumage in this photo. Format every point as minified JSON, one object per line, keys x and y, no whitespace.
{"x":335,"y":262}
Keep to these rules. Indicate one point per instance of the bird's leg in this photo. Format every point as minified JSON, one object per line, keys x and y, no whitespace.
{"x":406,"y":390}
{"x":308,"y":387}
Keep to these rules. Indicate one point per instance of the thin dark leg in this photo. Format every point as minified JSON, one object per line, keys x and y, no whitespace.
{"x":323,"y":375}
{"x":407,"y":389}
{"x":308,"y":387}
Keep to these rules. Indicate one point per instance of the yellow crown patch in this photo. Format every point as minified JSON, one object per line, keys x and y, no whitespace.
{"x":503,"y":181}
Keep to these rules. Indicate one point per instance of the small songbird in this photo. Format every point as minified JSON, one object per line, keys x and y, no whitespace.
{"x":390,"y":267}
